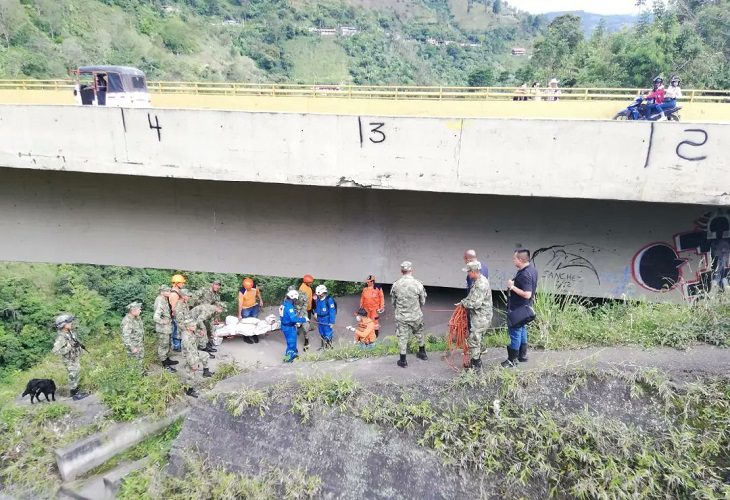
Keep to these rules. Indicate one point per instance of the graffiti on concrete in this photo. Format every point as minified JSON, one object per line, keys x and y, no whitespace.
{"x":567,"y":266}
{"x":660,"y":266}
{"x":377,"y":135}
{"x":156,"y":126}
{"x":681,"y":149}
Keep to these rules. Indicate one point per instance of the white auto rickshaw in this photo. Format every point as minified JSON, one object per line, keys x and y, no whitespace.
{"x":115,"y":86}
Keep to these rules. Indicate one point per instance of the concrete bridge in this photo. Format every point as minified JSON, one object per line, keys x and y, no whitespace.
{"x":609,"y":208}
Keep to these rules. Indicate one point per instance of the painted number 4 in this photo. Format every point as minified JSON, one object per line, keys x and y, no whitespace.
{"x":374,"y":130}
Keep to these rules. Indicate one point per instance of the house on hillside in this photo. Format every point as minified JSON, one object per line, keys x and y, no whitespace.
{"x":348,"y":30}
{"x":324,"y":31}
{"x":519,"y":51}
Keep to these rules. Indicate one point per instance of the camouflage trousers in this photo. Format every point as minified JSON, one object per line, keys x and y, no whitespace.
{"x":192,"y":368}
{"x":404,"y":329}
{"x":474,"y":342}
{"x":202,"y":335}
{"x":73,"y":367}
{"x":163,"y":343}
{"x":139,"y":355}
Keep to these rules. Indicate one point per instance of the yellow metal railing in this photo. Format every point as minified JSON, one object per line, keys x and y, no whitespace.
{"x":378,"y":91}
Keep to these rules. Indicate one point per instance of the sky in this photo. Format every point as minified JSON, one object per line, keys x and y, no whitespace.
{"x":594,"y":6}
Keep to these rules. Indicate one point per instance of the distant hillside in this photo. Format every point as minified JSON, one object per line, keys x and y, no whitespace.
{"x":426,"y":42}
{"x":590,"y":21}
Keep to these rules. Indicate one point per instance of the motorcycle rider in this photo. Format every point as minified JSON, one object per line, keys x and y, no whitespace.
{"x":655,"y":98}
{"x":673,"y":93}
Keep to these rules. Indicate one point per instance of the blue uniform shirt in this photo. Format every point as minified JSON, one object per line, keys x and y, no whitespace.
{"x":326,"y":310}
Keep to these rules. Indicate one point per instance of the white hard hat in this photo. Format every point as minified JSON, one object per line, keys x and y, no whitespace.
{"x":292,"y":294}
{"x":320,"y":290}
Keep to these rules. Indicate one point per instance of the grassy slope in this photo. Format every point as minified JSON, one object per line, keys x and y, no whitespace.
{"x":317,"y":60}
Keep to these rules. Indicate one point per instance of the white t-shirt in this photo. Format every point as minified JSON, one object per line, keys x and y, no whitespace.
{"x":673,"y":93}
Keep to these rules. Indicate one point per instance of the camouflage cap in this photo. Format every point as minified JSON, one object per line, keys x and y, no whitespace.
{"x":473,"y":265}
{"x":189,"y":323}
{"x":217,"y":282}
{"x":164,"y":288}
{"x":184,"y":292}
{"x":219,"y":304}
{"x":62,"y":319}
{"x":134,"y":305}
{"x":406,"y":265}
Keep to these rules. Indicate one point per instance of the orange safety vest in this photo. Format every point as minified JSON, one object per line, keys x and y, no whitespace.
{"x":248,"y":298}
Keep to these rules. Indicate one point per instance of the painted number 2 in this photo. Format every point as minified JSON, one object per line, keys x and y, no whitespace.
{"x":375,"y":132}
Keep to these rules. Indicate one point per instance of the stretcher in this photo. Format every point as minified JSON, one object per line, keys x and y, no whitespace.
{"x":247,"y":327}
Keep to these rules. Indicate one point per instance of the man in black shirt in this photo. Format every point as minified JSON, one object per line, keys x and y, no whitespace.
{"x":521,"y":293}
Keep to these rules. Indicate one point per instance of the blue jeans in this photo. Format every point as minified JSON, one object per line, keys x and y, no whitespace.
{"x":517,"y":337}
{"x":668,"y":104}
{"x":176,"y":342}
{"x":251,"y":312}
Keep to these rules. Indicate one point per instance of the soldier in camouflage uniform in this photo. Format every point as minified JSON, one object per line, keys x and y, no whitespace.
{"x":192,"y":364}
{"x":201,"y":314}
{"x":210,"y":295}
{"x":408,"y":296}
{"x":69,"y":348}
{"x":300,"y":308}
{"x":478,"y":303}
{"x":163,"y":327}
{"x":181,"y":311}
{"x":133,"y":332}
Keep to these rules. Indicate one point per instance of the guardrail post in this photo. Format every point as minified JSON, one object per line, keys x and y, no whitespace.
{"x":441,"y":93}
{"x":586,"y":95}
{"x":692,"y":96}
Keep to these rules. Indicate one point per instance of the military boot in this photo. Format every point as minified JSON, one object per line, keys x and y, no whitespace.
{"x":210,"y":348}
{"x":522,"y":354}
{"x":402,"y":361}
{"x":255,"y":339}
{"x":191,"y":392}
{"x":207,"y":373}
{"x":306,"y":344}
{"x":476,"y":364}
{"x":169,"y":362}
{"x":76,"y":394}
{"x":248,"y":340}
{"x":422,"y":353}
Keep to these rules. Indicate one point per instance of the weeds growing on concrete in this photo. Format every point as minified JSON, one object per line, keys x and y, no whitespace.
{"x":238,"y":402}
{"x":326,"y":390}
{"x":204,"y":481}
{"x":581,"y":454}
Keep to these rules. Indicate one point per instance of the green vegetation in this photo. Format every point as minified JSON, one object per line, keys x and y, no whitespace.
{"x":384,"y":347}
{"x":574,"y":322}
{"x":261,"y":40}
{"x":325,"y":390}
{"x":688,"y":37}
{"x":203,"y":480}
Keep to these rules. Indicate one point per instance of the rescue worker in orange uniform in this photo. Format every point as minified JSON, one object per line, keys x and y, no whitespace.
{"x":373,"y":301}
{"x":249,"y":304}
{"x":365,"y":330}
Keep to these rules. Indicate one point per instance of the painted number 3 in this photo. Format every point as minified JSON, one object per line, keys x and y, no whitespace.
{"x":376,"y":134}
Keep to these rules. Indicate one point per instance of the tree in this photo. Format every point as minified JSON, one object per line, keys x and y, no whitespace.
{"x":497,"y":6}
{"x":481,"y":77}
{"x":12,"y":19}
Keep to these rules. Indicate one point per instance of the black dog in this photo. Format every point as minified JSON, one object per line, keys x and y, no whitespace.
{"x":40,"y":385}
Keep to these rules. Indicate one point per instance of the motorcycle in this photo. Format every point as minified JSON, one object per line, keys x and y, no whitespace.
{"x":636,"y":111}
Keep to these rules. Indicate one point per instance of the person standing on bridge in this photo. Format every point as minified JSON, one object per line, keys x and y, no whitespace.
{"x":408,"y":296}
{"x":133,"y":332}
{"x":519,"y":306}
{"x":479,"y":306}
{"x":372,"y":300}
{"x":163,"y":327}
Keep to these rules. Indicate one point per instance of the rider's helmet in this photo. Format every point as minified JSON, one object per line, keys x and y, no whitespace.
{"x":676,"y":80}
{"x":658,"y":81}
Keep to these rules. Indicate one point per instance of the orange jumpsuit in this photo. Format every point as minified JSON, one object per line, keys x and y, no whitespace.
{"x":365,"y":331}
{"x":372,"y":300}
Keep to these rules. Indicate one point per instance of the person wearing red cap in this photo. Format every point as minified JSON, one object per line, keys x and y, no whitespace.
{"x":373,"y":301}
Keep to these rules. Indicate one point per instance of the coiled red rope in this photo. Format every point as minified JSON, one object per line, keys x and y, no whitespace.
{"x":458,"y":333}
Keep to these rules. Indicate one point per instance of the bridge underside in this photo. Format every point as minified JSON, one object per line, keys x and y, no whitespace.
{"x":595,"y":248}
